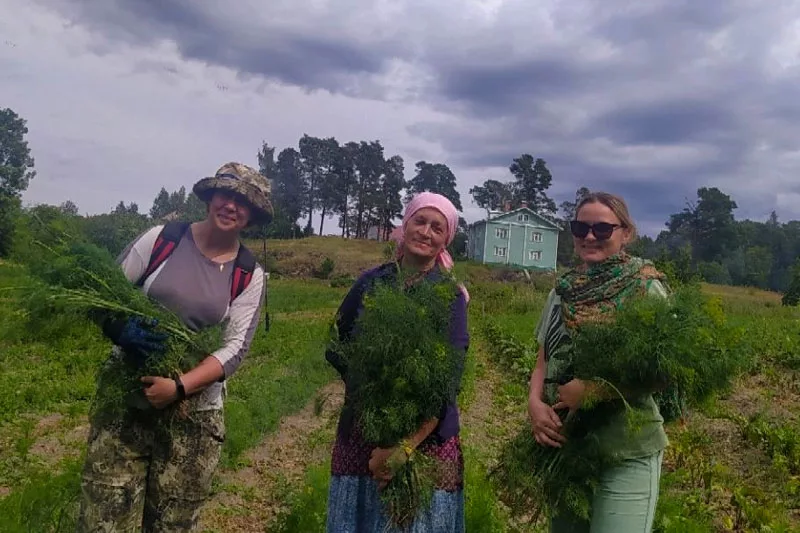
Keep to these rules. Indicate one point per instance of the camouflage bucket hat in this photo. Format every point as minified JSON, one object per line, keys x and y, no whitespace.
{"x":244,"y":180}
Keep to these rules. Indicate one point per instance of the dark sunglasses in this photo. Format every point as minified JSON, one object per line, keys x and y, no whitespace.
{"x":601,"y":230}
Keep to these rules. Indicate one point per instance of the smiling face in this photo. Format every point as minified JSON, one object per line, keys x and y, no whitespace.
{"x":590,"y":249}
{"x":425,"y":234}
{"x":228,"y":211}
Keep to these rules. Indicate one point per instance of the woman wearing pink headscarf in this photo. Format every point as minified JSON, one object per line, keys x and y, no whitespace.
{"x":358,"y":468}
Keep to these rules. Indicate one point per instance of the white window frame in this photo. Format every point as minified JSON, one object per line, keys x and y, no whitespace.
{"x":536,"y":236}
{"x":534,"y":255}
{"x":501,"y":233}
{"x":500,"y":251}
{"x":523,"y":217}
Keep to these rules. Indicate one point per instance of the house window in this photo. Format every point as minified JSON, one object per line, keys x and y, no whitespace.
{"x":536,"y":237}
{"x":535,"y":255}
{"x":500,"y":251}
{"x":522,"y":218}
{"x":501,"y":233}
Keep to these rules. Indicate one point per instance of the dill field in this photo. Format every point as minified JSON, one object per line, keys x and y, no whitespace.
{"x":734,"y":465}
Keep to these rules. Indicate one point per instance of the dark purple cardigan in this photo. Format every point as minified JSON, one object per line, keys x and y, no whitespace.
{"x":349,"y":311}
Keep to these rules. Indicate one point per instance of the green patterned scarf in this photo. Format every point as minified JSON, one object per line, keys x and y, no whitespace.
{"x":593,"y":293}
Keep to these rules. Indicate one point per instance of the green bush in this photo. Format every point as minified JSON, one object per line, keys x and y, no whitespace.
{"x":342,"y":281}
{"x":713,"y":272}
{"x":325,"y":269}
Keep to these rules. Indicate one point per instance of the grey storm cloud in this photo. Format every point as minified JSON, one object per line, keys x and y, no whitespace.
{"x":652,"y":99}
{"x":257,"y":45}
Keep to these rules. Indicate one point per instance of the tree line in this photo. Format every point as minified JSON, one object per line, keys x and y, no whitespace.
{"x":365,"y":188}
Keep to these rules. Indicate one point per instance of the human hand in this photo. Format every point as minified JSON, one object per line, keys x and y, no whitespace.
{"x":546,"y":423}
{"x":136,"y":337}
{"x":160,"y":392}
{"x":571,"y":395}
{"x":385,"y":462}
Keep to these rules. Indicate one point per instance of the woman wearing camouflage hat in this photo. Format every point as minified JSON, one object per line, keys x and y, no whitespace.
{"x":138,"y":474}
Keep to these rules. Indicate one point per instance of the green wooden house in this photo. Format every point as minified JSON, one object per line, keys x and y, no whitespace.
{"x":518,"y":237}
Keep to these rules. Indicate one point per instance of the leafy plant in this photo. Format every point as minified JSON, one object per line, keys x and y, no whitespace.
{"x":325,"y":269}
{"x":75,"y":277}
{"x":647,"y":344}
{"x":401,"y":369}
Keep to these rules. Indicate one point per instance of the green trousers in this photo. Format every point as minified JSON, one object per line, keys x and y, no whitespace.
{"x":624,"y":502}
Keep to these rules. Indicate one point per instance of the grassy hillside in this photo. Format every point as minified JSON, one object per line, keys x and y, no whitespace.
{"x":299,"y":258}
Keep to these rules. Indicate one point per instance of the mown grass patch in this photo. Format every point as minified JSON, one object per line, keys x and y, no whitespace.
{"x":283,"y":371}
{"x":290,"y":296}
{"x":301,"y":257}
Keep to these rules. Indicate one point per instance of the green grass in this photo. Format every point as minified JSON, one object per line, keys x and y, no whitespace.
{"x":51,"y":369}
{"x":47,"y":367}
{"x":290,"y":296}
{"x":45,"y":503}
{"x":307,"y":504}
{"x":283,"y":371}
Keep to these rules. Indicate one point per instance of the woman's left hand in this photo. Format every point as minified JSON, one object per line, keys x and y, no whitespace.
{"x":160,"y":392}
{"x":384,"y":462}
{"x":571,"y":395}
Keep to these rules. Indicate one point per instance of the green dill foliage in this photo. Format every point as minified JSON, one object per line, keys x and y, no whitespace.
{"x":401,"y":369}
{"x":682,"y":344}
{"x":401,"y":363}
{"x":75,"y":277}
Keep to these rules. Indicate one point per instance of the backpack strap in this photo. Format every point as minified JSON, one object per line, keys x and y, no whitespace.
{"x":167,"y":241}
{"x":243,"y":269}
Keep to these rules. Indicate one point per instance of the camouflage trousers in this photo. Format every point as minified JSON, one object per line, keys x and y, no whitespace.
{"x":143,"y":474}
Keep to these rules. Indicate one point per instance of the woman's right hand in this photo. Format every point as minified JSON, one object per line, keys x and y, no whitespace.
{"x":546,"y":423}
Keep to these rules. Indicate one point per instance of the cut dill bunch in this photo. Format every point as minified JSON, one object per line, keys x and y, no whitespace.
{"x":72,"y":276}
{"x":647,"y":347}
{"x":401,"y":369}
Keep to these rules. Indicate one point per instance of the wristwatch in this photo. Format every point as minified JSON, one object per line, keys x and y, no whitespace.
{"x":180,"y":388}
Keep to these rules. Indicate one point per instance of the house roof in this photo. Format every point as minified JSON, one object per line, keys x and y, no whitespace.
{"x":494,"y":215}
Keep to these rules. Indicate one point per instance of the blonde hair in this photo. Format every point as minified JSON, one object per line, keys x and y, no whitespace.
{"x":617,"y":206}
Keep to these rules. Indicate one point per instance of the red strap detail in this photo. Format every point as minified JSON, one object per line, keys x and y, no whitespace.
{"x":240,"y":282}
{"x":162,"y":255}
{"x":237,"y":275}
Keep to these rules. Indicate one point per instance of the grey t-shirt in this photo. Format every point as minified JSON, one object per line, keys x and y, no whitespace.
{"x":198,"y":290}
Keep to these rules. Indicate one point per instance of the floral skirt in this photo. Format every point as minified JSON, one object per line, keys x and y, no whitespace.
{"x":354,"y":506}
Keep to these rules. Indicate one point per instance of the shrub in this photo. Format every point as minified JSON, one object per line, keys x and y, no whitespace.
{"x":325,"y":269}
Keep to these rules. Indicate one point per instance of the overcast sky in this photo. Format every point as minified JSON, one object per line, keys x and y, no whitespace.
{"x":647,"y":99}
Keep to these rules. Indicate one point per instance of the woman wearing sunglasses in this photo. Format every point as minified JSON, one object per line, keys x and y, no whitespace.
{"x":625,"y":500}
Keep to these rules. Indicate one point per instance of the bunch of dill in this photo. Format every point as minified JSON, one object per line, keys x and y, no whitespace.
{"x":401,"y":369}
{"x":649,"y":344}
{"x":73,"y":276}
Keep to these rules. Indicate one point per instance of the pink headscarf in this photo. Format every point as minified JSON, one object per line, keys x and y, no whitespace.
{"x":445,"y":207}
